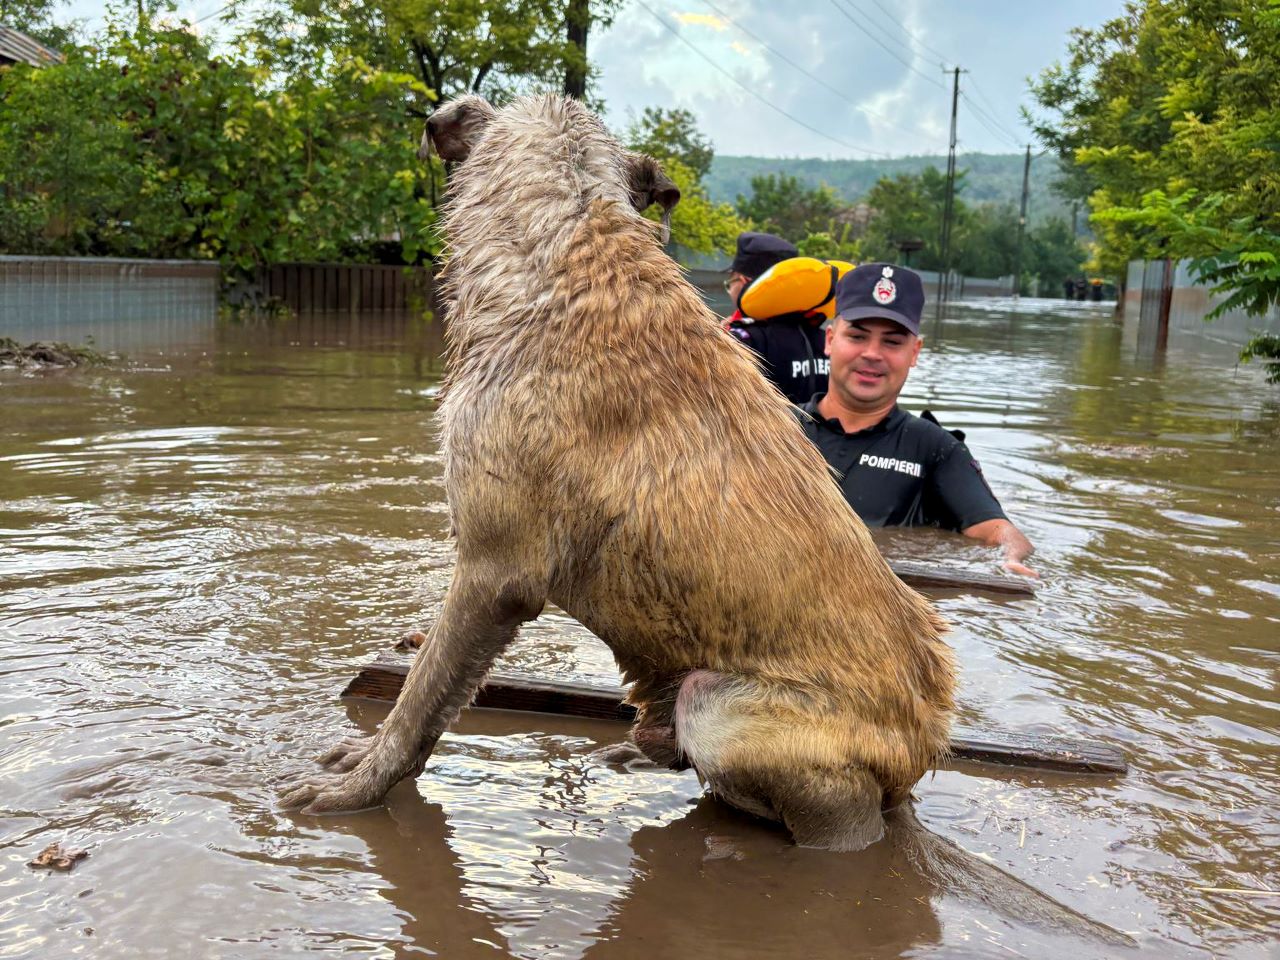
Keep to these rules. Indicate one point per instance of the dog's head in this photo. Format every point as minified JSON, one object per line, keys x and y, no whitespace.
{"x":649,"y":185}
{"x":456,"y":129}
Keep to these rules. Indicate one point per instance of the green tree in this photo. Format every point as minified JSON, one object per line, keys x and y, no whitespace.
{"x":671,"y":135}
{"x":1052,"y":253}
{"x":698,"y":223}
{"x":909,"y":207}
{"x":985,"y":240}
{"x":152,"y":145}
{"x":497,"y":48}
{"x":781,"y":204}
{"x":826,"y":245}
{"x":1168,"y":114}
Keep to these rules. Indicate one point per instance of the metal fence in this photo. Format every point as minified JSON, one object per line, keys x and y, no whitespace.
{"x":1161,"y":300}
{"x":118,"y":303}
{"x":146,"y":305}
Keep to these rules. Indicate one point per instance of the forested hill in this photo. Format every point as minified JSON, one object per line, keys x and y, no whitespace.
{"x":990,"y":177}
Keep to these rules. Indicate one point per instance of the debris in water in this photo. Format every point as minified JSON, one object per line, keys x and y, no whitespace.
{"x":54,"y":857}
{"x":411,"y":640}
{"x":47,"y":354}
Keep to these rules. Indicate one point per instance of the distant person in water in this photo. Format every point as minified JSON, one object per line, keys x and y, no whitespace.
{"x":756,"y":253}
{"x":896,"y":469}
{"x":784,"y":311}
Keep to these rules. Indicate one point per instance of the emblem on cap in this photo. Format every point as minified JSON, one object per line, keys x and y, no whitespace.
{"x":886,"y":291}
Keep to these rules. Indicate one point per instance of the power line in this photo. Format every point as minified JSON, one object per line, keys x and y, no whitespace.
{"x":812,"y":76}
{"x":770,"y":105}
{"x":889,"y":50}
{"x":994,"y":110}
{"x":914,"y":36}
{"x":890,"y":35}
{"x":986,"y":125}
{"x":217,"y":13}
{"x":992,"y":126}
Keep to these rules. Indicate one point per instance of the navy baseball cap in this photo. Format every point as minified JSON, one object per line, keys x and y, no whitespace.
{"x":881,"y":290}
{"x":757,"y":252}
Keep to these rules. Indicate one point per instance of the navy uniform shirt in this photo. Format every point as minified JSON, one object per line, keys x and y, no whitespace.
{"x":793,"y":348}
{"x":904,"y":471}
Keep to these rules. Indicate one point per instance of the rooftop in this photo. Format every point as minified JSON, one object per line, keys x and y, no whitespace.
{"x":17,"y":47}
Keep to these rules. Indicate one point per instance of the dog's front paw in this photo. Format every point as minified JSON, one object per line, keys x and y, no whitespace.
{"x":332,"y":793}
{"x":346,"y":755}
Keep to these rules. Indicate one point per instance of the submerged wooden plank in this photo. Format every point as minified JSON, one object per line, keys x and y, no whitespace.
{"x":923,"y":575}
{"x":382,"y":680}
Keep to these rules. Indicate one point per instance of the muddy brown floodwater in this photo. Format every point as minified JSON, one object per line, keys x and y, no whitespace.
{"x":198,"y":548}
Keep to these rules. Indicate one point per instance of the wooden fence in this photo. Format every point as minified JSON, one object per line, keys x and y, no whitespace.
{"x":354,"y":288}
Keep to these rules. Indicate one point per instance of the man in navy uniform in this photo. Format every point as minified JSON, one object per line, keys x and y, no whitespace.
{"x":789,"y":345}
{"x":756,"y":253}
{"x":896,"y":469}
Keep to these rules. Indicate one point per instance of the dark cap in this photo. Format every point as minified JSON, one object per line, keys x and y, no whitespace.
{"x":881,"y":290}
{"x":757,"y":252}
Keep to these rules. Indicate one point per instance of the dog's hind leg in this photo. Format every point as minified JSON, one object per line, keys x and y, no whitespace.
{"x":754,"y":753}
{"x":481,"y":615}
{"x":831,"y":809}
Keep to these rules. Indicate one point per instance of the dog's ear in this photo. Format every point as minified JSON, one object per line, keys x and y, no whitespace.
{"x":455,"y":127}
{"x":648,"y":185}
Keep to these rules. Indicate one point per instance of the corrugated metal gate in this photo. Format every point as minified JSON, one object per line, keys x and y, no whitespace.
{"x":1153,"y":306}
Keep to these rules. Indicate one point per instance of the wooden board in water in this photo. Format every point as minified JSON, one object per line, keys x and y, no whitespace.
{"x":925,"y":576}
{"x":382,"y":680}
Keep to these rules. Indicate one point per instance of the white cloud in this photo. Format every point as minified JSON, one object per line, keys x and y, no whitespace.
{"x":881,"y":104}
{"x":704,"y":20}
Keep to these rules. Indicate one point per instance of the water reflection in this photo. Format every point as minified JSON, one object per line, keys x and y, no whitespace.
{"x":197,"y":548}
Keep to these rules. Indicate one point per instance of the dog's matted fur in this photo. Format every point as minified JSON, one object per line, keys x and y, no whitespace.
{"x":611,"y":450}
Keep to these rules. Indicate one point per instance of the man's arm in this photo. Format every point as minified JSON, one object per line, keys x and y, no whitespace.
{"x":1002,"y":533}
{"x":960,"y":487}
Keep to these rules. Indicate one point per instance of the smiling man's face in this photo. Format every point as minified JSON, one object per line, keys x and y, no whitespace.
{"x":870,"y":360}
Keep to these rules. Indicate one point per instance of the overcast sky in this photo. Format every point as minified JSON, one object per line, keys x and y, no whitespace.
{"x":865,"y":78}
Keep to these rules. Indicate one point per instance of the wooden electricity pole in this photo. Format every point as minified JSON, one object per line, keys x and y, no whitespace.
{"x":1022,"y":224}
{"x":949,"y":207}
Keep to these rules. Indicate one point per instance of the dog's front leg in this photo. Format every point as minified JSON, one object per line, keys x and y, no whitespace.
{"x":480,"y":618}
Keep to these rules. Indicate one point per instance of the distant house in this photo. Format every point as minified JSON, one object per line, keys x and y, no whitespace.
{"x":17,"y":47}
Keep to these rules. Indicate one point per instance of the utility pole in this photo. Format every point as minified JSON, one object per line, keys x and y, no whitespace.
{"x":1022,"y":224}
{"x":948,"y":209}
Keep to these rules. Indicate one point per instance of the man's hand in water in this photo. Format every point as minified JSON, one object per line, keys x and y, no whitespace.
{"x":1002,"y":533}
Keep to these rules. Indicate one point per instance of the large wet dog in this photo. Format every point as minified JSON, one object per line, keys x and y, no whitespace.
{"x":610,"y":450}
